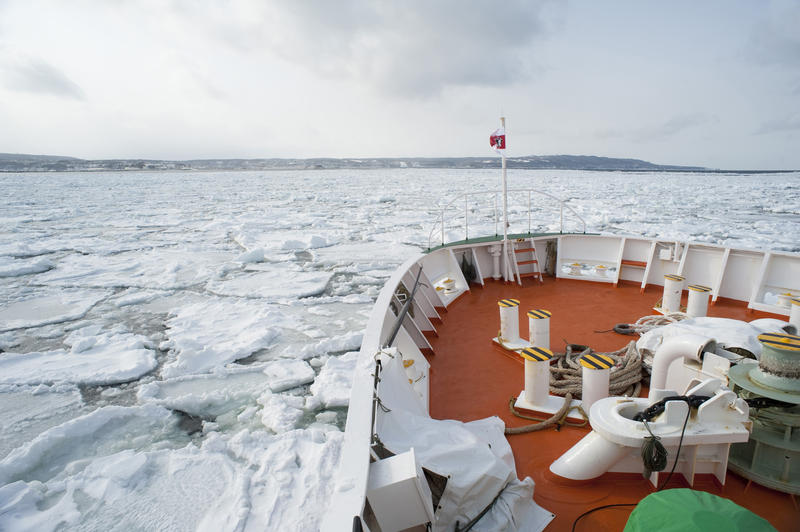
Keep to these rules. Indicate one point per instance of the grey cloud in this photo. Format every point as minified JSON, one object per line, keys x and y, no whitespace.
{"x":412,"y":48}
{"x":780,"y":125}
{"x":661,"y":131}
{"x":775,"y":40}
{"x":35,"y":75}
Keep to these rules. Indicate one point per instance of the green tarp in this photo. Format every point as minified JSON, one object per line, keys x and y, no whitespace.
{"x":685,"y":510}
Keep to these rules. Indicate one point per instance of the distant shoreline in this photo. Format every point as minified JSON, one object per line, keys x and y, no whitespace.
{"x":23,"y":163}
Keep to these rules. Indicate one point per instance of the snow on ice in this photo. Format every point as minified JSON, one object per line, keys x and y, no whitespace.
{"x":94,"y":357}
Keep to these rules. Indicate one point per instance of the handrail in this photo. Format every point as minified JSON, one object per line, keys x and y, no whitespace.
{"x":441,"y":225}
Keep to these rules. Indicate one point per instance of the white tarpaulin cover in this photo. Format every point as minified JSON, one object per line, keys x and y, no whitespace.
{"x":728,"y":333}
{"x":475,"y":456}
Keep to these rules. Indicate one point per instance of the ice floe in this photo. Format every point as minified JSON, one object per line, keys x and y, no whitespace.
{"x":214,"y":332}
{"x":335,"y":344}
{"x":332,"y":386}
{"x":17,"y":267}
{"x":185,"y":489}
{"x":226,"y":389}
{"x":279,"y":283}
{"x":53,"y":307}
{"x":165,"y":269}
{"x":94,"y":357}
{"x":102,"y":432}
{"x":293,"y":482}
{"x":30,"y":410}
{"x":208,"y":395}
{"x":281,"y":412}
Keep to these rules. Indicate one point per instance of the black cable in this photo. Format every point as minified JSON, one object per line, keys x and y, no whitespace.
{"x":678,"y":452}
{"x":587,"y":512}
{"x":654,"y":454}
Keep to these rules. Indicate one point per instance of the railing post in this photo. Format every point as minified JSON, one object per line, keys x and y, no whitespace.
{"x":495,"y":214}
{"x":466,"y":217}
{"x":562,"y":219}
{"x":529,"y":212}
{"x":443,"y":227}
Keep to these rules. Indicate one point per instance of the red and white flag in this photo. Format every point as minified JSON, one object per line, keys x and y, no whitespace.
{"x":497,"y":141}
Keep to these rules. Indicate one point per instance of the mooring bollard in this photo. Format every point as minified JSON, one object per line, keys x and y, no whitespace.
{"x":596,"y":372}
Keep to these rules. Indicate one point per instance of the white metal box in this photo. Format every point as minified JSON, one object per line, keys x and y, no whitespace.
{"x":398,"y":492}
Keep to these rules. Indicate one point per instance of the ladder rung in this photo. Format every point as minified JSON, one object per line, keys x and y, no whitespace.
{"x":527,"y":262}
{"x":532,"y":274}
{"x":526,"y":250}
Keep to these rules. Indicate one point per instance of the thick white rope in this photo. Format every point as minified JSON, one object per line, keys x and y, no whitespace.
{"x":625,"y":377}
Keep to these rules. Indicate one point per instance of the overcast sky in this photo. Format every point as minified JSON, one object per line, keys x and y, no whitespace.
{"x":714,"y":83}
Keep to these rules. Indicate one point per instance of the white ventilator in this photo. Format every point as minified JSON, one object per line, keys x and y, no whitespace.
{"x":596,"y":377}
{"x":673,"y":287}
{"x":697,"y":305}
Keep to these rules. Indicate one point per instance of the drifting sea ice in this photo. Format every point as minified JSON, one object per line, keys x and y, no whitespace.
{"x":94,"y":357}
{"x":271,"y":284}
{"x":244,"y":289}
{"x":210,"y":395}
{"x":164,"y":269}
{"x":332,"y":386}
{"x":10,"y":267}
{"x":185,"y":489}
{"x":217,"y":331}
{"x":48,"y":308}
{"x":30,"y":410}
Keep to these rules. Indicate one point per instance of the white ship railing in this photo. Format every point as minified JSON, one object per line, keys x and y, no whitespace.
{"x":491,"y":209}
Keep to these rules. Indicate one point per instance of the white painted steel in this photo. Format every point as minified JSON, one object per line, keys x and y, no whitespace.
{"x":539,"y":330}
{"x":595,"y":386}
{"x":691,"y":346}
{"x":697,"y":305}
{"x":494,"y":251}
{"x":589,"y":458}
{"x":398,"y":493}
{"x":537,"y":381}
{"x":671,"y":301}
{"x":794,"y":315}
{"x":444,"y":219}
{"x":509,"y":323}
{"x":616,"y":439}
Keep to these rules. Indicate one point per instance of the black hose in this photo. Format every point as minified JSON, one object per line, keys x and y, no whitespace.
{"x":624,"y":328}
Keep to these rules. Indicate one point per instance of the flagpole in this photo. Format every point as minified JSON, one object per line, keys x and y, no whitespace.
{"x":505,"y":208}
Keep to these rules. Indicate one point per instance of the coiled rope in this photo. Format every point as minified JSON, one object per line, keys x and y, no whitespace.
{"x":565,"y":379}
{"x":648,"y":323}
{"x":625,"y":377}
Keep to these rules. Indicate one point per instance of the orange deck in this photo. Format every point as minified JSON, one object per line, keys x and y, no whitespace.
{"x":472,"y":379}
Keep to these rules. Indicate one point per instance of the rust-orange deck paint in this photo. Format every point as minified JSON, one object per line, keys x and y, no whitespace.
{"x":472,"y":379}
